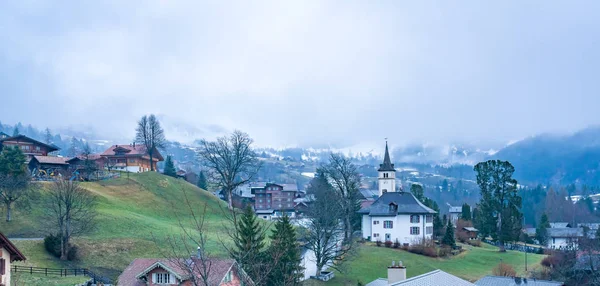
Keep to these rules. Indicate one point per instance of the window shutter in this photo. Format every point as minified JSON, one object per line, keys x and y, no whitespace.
{"x":172,"y":279}
{"x":153,"y":278}
{"x":2,"y":266}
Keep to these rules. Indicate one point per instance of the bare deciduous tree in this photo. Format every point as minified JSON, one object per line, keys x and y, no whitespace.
{"x":12,"y":189}
{"x":151,"y":135}
{"x":344,"y":179}
{"x":231,"y":160}
{"x":70,"y":210}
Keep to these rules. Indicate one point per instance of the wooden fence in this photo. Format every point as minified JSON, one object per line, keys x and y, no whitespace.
{"x":59,"y":272}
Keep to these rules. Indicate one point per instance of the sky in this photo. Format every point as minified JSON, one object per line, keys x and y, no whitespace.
{"x":303,"y":73}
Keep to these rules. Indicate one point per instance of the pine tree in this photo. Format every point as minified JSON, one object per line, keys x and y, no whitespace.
{"x":466,"y":212}
{"x":417,"y":191}
{"x":249,"y":242}
{"x":16,"y":131}
{"x":541,"y":232}
{"x":202,"y":184}
{"x":47,"y":136}
{"x":448,"y":239}
{"x":170,"y":168}
{"x":284,"y":253}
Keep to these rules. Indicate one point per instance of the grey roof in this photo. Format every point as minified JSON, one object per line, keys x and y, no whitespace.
{"x":455,"y":209}
{"x":289,"y":187}
{"x":369,"y":194}
{"x":469,"y":228}
{"x":387,"y":163}
{"x":530,"y":231}
{"x":559,"y":224}
{"x":591,"y":225}
{"x":565,"y":232}
{"x":433,"y":278}
{"x":406,"y":202}
{"x":514,"y":281}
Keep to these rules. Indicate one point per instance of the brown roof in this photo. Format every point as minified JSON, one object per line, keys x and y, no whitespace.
{"x":92,"y":157}
{"x":130,"y":150}
{"x":19,"y":138}
{"x":15,"y":254}
{"x":51,"y":160}
{"x":141,"y":266}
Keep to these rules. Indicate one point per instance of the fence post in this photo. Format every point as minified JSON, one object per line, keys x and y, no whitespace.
{"x":46,"y":271}
{"x":31,"y":270}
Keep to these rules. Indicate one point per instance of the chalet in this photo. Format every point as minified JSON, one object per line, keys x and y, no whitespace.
{"x":48,"y":166}
{"x":395,"y":215}
{"x":3,"y":135}
{"x":8,"y":254}
{"x":276,"y":199}
{"x":177,"y":271}
{"x":29,"y":146}
{"x":396,"y":276}
{"x":78,"y":163}
{"x":471,"y":232}
{"x":564,"y":238}
{"x":130,"y":158}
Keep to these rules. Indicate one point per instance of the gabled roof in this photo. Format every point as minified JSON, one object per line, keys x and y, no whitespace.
{"x":559,"y":224}
{"x":20,"y":138}
{"x":565,"y":232}
{"x":406,"y":202}
{"x":433,"y":278}
{"x":387,"y":165}
{"x":514,"y":281}
{"x":3,"y":135}
{"x":51,"y":160}
{"x":131,"y":150}
{"x":455,"y":210}
{"x":141,"y":266}
{"x":15,"y":254}
{"x":92,"y":157}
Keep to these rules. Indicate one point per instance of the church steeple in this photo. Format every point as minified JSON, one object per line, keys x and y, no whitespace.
{"x":387,"y":165}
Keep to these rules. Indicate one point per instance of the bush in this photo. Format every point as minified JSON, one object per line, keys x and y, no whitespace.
{"x":426,"y":247}
{"x":475,"y":242}
{"x":378,"y":242}
{"x":52,"y":245}
{"x":404,"y":246}
{"x":72,"y":254}
{"x":504,"y":269}
{"x":388,"y":244}
{"x":445,"y":252}
{"x":396,"y":243}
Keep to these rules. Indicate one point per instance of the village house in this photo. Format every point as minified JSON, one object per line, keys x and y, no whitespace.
{"x":562,"y":236}
{"x":28,"y":146}
{"x":8,"y":254}
{"x":454,"y":214}
{"x":515,"y":281}
{"x":395,"y":215}
{"x":396,"y":276}
{"x":130,"y":158}
{"x":3,"y":135}
{"x":176,"y":271}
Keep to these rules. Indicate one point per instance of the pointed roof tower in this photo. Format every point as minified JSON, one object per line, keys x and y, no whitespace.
{"x":387,"y":165}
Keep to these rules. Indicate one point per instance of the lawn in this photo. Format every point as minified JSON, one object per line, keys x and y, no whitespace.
{"x":135,"y":215}
{"x":371,"y":262}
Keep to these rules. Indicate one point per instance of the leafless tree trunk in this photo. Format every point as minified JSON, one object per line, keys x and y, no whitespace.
{"x":70,"y":212}
{"x":231,"y":160}
{"x":344,"y":179}
{"x":151,"y":135}
{"x":12,"y":189}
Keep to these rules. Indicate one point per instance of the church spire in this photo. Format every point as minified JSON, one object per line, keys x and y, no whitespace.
{"x":387,"y":163}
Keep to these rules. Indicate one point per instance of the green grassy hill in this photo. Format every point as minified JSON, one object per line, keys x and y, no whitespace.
{"x":371,"y":262}
{"x":135,"y":214}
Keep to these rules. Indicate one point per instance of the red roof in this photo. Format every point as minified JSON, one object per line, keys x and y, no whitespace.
{"x":141,"y":266}
{"x":131,"y":150}
{"x":15,"y":254}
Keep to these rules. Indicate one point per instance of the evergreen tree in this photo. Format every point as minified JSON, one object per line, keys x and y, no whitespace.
{"x":417,"y":191}
{"x":284,"y":253}
{"x":466,"y":212}
{"x":14,"y":178}
{"x":202,"y":184}
{"x":47,"y":136}
{"x":170,"y":168}
{"x":500,"y":202}
{"x":16,"y":131}
{"x":541,"y":232}
{"x":448,"y":239}
{"x":248,"y":244}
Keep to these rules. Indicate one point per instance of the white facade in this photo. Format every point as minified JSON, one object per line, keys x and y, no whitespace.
{"x":401,"y":228}
{"x":562,"y":242}
{"x":5,"y":279}
{"x":386,"y":182}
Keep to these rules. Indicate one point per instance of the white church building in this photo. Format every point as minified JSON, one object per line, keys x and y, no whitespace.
{"x":395,"y":214}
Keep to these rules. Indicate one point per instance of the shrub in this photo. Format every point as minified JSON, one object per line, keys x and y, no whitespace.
{"x":52,"y":245}
{"x":445,"y":252}
{"x":425,"y":247}
{"x":388,"y":244}
{"x":504,"y":269}
{"x":396,"y":243}
{"x":405,"y":246}
{"x":475,"y":242}
{"x":378,"y":242}
{"x":72,"y":254}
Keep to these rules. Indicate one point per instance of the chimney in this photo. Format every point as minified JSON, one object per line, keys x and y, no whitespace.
{"x":134,"y":144}
{"x":396,"y":273}
{"x":199,"y":253}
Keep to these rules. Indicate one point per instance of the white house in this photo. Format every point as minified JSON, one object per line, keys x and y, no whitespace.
{"x":395,"y":215}
{"x":454,"y":213}
{"x":8,"y":254}
{"x":564,"y":237}
{"x":397,"y":277}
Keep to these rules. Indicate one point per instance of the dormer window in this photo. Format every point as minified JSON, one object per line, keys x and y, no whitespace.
{"x":393,"y":207}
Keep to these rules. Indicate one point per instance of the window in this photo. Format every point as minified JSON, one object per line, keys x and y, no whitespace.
{"x":429,"y":218}
{"x":414,"y":230}
{"x":38,"y":148}
{"x":415,"y":219}
{"x":388,"y":224}
{"x":25,"y":147}
{"x":2,"y":266}
{"x":376,"y":235}
{"x":260,"y":200}
{"x":429,"y":230}
{"x":393,"y":207}
{"x":162,"y":278}
{"x":227,"y":277}
{"x":375,"y":222}
{"x":289,"y":205}
{"x":131,"y":160}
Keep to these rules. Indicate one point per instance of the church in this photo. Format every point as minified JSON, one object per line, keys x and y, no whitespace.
{"x":395,"y":215}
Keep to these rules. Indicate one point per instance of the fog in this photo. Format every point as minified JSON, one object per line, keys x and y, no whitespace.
{"x":303,"y":73}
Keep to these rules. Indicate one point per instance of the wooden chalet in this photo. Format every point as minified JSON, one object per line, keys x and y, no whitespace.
{"x":48,"y":166}
{"x":3,"y":135}
{"x":130,"y":158}
{"x":29,"y":146}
